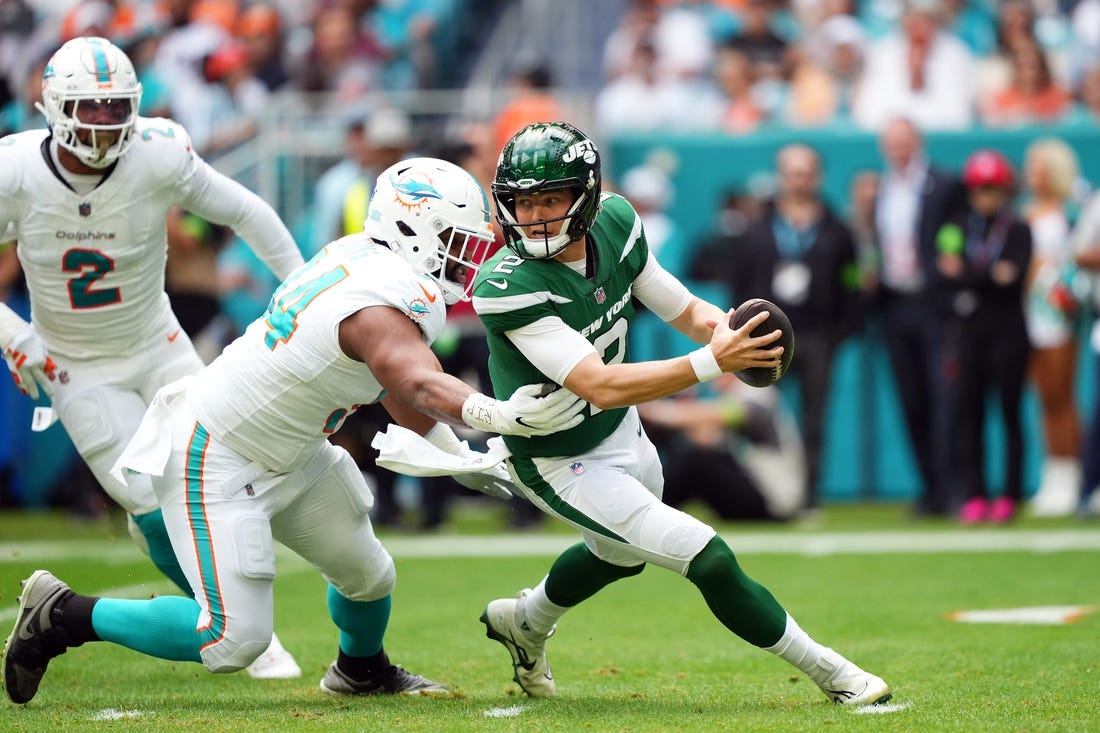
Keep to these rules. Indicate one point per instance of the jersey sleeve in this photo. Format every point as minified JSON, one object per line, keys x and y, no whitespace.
{"x":218,"y":198}
{"x":660,"y":291}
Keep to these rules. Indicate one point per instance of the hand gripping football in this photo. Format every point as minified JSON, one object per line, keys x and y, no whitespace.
{"x":777,"y":319}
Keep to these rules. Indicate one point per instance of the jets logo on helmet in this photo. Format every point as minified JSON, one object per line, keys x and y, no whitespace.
{"x":90,"y":97}
{"x":543,"y":157}
{"x":436,"y":216}
{"x":584,"y":149}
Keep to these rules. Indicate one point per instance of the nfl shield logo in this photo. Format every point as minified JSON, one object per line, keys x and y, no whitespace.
{"x":85,"y":209}
{"x":577,"y":468}
{"x":601,"y":294}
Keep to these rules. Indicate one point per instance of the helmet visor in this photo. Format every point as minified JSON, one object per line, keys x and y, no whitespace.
{"x":464,"y":252}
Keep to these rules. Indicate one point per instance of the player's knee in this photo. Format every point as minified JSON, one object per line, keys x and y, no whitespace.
{"x":381,"y":584}
{"x":377,"y":583}
{"x":239,"y":649}
{"x":714,"y":561}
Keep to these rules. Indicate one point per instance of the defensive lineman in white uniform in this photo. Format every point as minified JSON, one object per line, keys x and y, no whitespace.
{"x":87,"y":199}
{"x":240,"y":457}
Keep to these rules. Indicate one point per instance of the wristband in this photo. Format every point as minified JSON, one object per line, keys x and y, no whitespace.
{"x":704,"y":364}
{"x":478,"y":412}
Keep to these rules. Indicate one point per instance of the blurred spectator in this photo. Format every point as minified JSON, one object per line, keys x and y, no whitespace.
{"x":767,"y":53}
{"x":914,"y":200}
{"x":738,"y":111}
{"x":758,"y":40}
{"x":20,"y":113}
{"x":88,"y":18}
{"x":822,"y":85}
{"x":1031,"y":96}
{"x":640,"y":100}
{"x":179,"y":60}
{"x":801,"y":256}
{"x":531,"y":101}
{"x":922,"y":71}
{"x":1086,"y":34}
{"x":1086,"y":245}
{"x":343,"y":191}
{"x":636,"y":28}
{"x":972,"y":22}
{"x":227,"y":110}
{"x":863,"y":205}
{"x":1053,"y":311}
{"x":648,"y":187}
{"x":342,"y":60}
{"x":260,"y":31}
{"x":983,"y":254}
{"x":684,"y":39}
{"x":1087,"y":108}
{"x":737,"y":451}
{"x":1015,"y":25}
{"x":404,"y":29}
{"x":716,"y":253}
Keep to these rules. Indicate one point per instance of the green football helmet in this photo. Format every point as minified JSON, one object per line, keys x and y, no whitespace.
{"x":547,"y":156}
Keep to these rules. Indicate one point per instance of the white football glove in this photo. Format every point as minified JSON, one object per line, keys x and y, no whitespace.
{"x":494,"y":481}
{"x":25,"y":354}
{"x":533,"y":409}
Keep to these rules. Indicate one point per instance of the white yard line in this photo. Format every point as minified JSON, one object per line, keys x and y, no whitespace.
{"x":540,"y":545}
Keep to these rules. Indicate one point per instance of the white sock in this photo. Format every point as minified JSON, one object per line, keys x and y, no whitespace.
{"x":795,"y":646}
{"x":540,"y":613}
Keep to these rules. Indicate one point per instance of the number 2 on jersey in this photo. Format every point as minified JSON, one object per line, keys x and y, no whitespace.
{"x":81,"y":295}
{"x":288,"y":302}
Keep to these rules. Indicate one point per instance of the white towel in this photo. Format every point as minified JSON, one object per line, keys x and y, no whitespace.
{"x":150,"y":448}
{"x":404,"y":451}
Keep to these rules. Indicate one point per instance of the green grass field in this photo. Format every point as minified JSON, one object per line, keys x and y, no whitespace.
{"x":644,"y":655}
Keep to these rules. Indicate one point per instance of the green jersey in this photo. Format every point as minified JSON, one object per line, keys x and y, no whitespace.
{"x":512,"y":292}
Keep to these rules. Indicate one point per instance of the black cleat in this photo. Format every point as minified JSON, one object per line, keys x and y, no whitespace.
{"x":393,"y":681}
{"x":35,"y":640}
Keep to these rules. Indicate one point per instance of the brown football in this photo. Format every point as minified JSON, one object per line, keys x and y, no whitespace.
{"x":777,"y":319}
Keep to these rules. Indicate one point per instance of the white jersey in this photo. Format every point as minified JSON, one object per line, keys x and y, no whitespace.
{"x":95,"y":262}
{"x":285,"y":385}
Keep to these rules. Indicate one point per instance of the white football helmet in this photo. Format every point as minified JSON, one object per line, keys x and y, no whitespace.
{"x":436,"y":216}
{"x":91,"y":87}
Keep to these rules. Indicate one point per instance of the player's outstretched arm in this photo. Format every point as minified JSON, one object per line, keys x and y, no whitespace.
{"x":222,"y":200}
{"x":608,"y":386}
{"x":391,"y":346}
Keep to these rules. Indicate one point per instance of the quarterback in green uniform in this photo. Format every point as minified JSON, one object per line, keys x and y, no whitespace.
{"x":557,"y":303}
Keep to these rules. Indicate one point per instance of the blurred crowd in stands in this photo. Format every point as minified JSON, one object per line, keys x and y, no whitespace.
{"x":976,"y":276}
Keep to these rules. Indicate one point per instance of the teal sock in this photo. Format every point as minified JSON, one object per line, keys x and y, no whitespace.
{"x":577,"y":574}
{"x":362,"y":624}
{"x":743,"y":606}
{"x":160,"y":627}
{"x":160,"y":548}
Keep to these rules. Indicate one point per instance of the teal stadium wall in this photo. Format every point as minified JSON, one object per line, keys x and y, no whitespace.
{"x":866,"y":453}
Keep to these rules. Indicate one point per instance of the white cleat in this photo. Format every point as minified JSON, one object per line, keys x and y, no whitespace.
{"x":276,"y":663}
{"x":847,"y":684}
{"x":532,"y":670}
